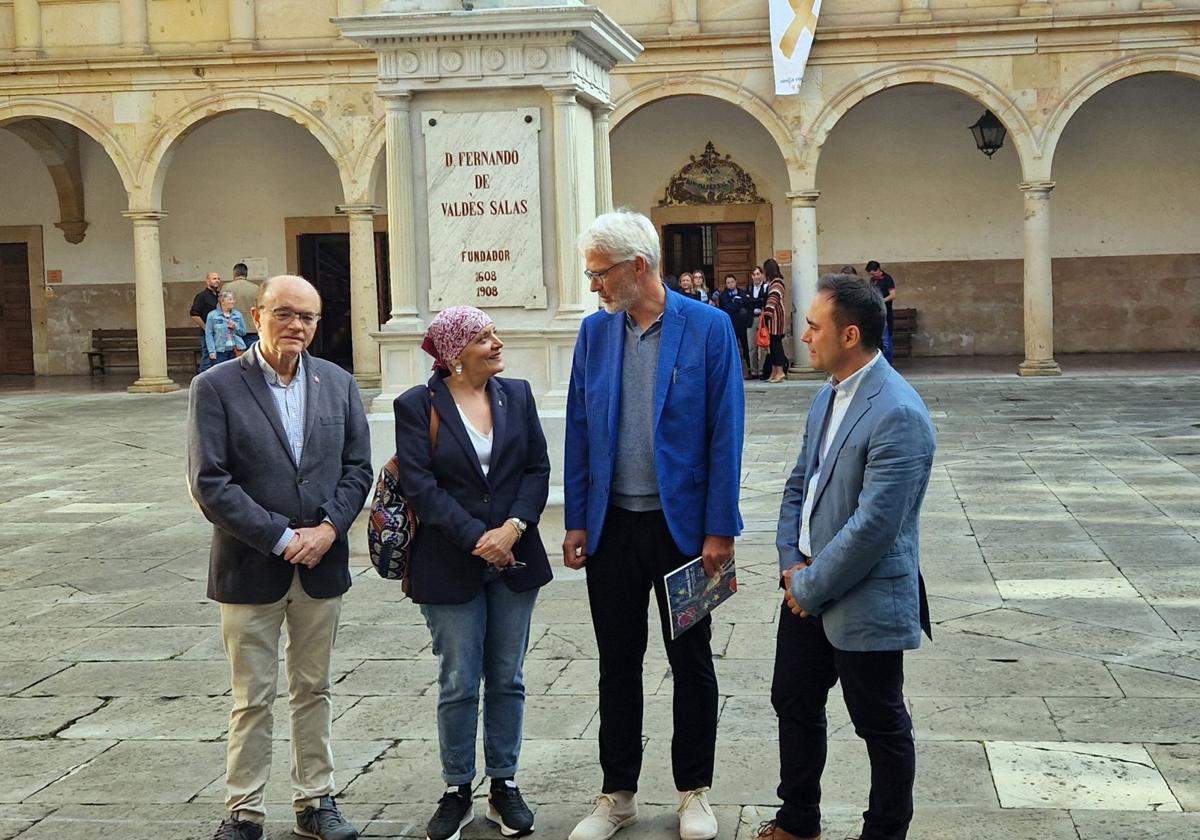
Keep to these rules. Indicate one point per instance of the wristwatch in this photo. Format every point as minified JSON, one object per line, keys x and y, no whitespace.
{"x":520,"y":525}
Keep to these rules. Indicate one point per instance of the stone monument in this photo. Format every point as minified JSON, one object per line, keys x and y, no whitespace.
{"x":497,"y":158}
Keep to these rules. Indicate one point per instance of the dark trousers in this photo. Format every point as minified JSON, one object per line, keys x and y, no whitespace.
{"x":778,"y":358}
{"x":635,"y":551}
{"x":806,"y":667}
{"x":739,"y":330}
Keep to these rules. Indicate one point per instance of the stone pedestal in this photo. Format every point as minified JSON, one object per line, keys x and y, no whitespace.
{"x":497,"y":158}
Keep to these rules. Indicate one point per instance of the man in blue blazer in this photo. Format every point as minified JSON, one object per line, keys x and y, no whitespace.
{"x":655,"y":413}
{"x":848,"y":543}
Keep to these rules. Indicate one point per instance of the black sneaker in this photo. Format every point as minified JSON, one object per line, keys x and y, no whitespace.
{"x":508,"y":810}
{"x":231,"y":829}
{"x":455,"y":810}
{"x":324,"y":822}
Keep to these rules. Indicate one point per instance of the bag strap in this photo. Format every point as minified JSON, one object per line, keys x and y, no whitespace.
{"x":435,"y":421}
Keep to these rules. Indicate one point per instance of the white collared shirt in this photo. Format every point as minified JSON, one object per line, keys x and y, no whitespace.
{"x":843,"y":395}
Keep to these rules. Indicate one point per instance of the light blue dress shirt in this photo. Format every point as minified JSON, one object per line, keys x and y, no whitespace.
{"x":289,"y":400}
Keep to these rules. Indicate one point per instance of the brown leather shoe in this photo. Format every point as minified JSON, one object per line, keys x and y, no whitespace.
{"x":770,"y":830}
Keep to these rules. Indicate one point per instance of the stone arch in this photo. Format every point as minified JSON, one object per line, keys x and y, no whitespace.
{"x":1186,"y":65}
{"x":970,"y":84}
{"x":29,"y":107}
{"x":157,"y":159}
{"x":366,"y":164}
{"x":740,"y":97}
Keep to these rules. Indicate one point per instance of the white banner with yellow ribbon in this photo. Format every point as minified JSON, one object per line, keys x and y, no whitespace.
{"x":793,"y":24}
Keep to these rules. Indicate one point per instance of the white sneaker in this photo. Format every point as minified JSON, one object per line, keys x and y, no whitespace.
{"x":612,"y":812}
{"x":696,"y":818}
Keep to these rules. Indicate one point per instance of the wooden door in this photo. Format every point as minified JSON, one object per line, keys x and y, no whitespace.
{"x":16,"y":314}
{"x":324,"y":259}
{"x":734,"y":253}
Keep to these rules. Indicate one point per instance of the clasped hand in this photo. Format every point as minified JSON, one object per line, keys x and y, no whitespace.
{"x":495,"y":546}
{"x":788,"y":597}
{"x":309,"y":545}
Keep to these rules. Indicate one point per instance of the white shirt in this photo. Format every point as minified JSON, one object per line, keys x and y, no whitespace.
{"x":843,"y":394}
{"x":481,"y":442}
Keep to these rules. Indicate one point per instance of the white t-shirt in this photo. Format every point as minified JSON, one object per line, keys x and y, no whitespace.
{"x":481,"y":442}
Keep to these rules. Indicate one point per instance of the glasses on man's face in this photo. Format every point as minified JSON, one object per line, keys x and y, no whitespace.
{"x":599,"y":275}
{"x":283,"y":315}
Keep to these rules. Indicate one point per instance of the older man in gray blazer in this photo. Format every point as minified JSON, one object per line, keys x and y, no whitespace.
{"x":848,"y":556}
{"x":279,"y":462}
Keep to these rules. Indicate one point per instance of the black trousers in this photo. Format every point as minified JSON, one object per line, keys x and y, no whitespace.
{"x":739,"y":330}
{"x":778,"y":358}
{"x":806,"y":667}
{"x":635,"y":551}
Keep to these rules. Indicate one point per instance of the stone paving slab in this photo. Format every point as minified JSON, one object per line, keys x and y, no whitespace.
{"x":1062,"y":557}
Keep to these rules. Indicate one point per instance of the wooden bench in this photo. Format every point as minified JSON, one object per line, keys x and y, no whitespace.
{"x":118,"y":349}
{"x":904,"y":326}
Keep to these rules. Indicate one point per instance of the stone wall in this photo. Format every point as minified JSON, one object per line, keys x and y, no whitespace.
{"x":1143,"y":303}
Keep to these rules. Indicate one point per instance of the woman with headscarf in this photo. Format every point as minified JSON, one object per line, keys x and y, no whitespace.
{"x":775,"y":316}
{"x":473,"y":466}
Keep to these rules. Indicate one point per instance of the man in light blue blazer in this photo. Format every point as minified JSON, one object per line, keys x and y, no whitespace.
{"x":848,"y":540}
{"x":655,"y":413}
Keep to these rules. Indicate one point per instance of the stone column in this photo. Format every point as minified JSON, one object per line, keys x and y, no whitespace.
{"x":603,"y":156}
{"x":1039,"y":283}
{"x":402,"y":229}
{"x":685,"y":18}
{"x":1036,"y":8}
{"x":242,"y":30}
{"x":135,"y":30}
{"x":364,"y":300}
{"x":915,"y":11}
{"x":804,"y":270}
{"x":572,"y":285}
{"x":148,"y":288}
{"x":27,"y":28}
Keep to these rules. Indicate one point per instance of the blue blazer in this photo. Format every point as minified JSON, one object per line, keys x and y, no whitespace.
{"x":865,"y":578}
{"x":698,"y":386}
{"x":455,"y":502}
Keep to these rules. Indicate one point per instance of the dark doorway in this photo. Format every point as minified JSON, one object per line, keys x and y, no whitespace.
{"x":324,"y":259}
{"x":16,"y":314}
{"x":718,"y":250}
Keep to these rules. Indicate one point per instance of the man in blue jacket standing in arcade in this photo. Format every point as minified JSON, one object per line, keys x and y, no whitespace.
{"x":655,"y":414}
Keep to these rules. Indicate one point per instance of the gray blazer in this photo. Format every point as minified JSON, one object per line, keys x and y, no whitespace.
{"x":865,"y":578}
{"x":242,"y":476}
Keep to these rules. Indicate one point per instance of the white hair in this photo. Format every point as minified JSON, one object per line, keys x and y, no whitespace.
{"x":225,"y":296}
{"x":623,"y":234}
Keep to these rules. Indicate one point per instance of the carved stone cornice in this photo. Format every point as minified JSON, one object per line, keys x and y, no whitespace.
{"x":560,"y":47}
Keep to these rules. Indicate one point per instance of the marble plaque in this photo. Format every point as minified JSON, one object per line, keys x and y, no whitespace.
{"x":485,"y":212}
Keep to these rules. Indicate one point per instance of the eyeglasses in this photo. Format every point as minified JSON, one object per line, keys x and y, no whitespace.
{"x":599,"y":275}
{"x":283,"y":315}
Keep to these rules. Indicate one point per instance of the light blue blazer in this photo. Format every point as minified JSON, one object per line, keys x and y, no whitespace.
{"x":698,"y":385}
{"x":864,"y":580}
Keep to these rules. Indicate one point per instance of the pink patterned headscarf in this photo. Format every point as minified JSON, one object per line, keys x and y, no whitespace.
{"x":451,"y":331}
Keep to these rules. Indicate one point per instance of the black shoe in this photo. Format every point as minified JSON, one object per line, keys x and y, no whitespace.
{"x":508,"y":810}
{"x":324,"y":822}
{"x":231,"y":829}
{"x":455,"y":810}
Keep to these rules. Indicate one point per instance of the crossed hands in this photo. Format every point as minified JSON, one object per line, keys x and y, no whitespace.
{"x":495,"y":546}
{"x":788,"y":597}
{"x":309,"y":545}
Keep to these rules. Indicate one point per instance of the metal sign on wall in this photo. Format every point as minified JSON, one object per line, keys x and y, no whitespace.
{"x":485,"y":215}
{"x":793,"y":25}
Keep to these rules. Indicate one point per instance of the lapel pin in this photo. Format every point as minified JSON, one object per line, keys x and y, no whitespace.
{"x":316,"y":378}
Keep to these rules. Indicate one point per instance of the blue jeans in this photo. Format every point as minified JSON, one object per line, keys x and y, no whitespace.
{"x":887,"y":343}
{"x":222,"y":356}
{"x":483,"y":639}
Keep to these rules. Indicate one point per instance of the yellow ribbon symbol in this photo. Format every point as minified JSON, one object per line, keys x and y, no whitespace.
{"x":805,"y":19}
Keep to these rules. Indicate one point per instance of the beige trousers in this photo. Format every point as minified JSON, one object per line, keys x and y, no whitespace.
{"x":251,"y":636}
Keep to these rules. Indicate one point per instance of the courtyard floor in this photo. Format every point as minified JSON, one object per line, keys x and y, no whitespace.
{"x":1059,"y":699}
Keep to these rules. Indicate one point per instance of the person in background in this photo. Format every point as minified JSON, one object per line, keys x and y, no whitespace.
{"x":686,"y":288}
{"x":204,"y":303}
{"x":224,"y":330}
{"x":756,"y":291}
{"x":886,"y":286}
{"x":734,"y":303}
{"x":775,"y":315}
{"x":700,"y":286}
{"x":245,"y":296}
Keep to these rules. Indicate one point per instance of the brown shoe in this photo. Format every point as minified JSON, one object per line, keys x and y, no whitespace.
{"x":770,"y":830}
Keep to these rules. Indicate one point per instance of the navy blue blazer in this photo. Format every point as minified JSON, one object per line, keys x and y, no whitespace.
{"x":698,"y":388}
{"x":455,"y":502}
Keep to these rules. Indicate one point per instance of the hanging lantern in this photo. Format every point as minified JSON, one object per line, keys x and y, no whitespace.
{"x":989,"y":134}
